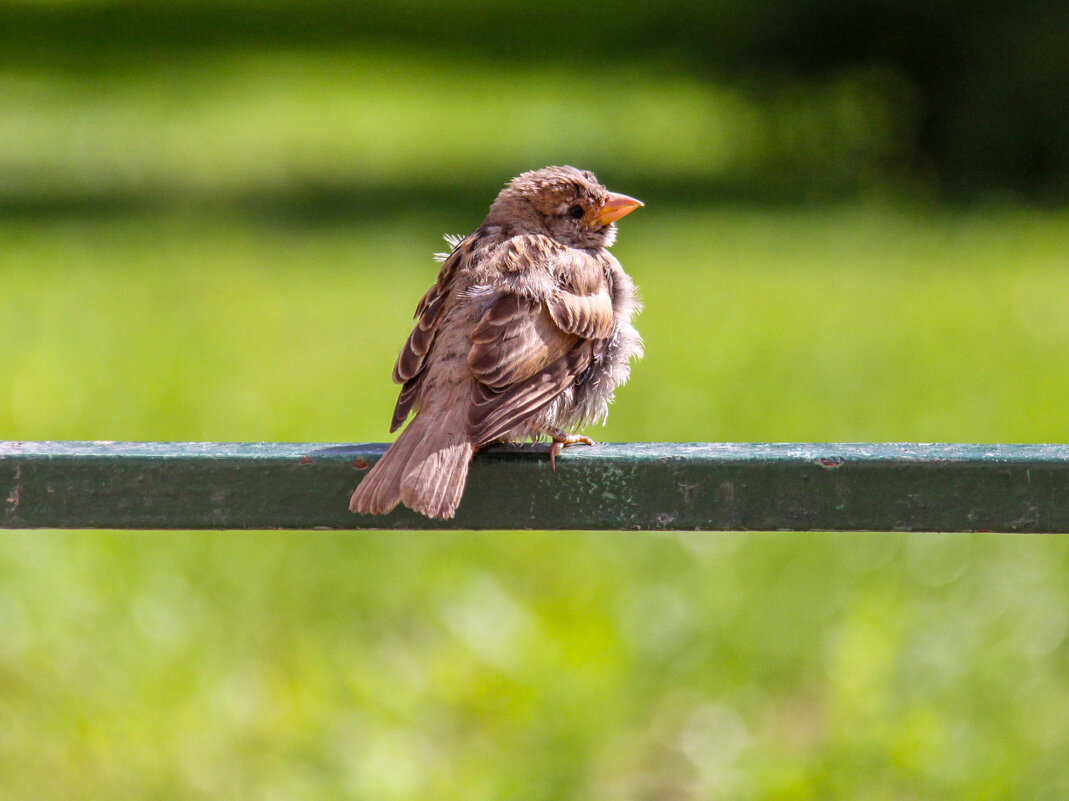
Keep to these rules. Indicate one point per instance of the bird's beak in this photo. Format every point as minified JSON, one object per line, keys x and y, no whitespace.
{"x":614,"y":208}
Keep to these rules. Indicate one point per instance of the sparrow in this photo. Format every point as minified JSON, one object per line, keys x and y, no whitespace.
{"x":527,"y":333}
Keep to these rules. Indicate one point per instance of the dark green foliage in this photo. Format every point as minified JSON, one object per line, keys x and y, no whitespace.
{"x":975,"y":92}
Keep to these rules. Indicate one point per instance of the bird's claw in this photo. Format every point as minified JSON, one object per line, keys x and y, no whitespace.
{"x":560,"y":443}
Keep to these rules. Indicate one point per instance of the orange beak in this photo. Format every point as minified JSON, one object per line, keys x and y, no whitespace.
{"x":614,"y":208}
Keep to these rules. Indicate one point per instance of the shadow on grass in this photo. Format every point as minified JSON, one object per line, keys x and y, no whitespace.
{"x":310,"y":203}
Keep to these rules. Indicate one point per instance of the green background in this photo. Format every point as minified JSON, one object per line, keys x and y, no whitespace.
{"x":215,"y":222}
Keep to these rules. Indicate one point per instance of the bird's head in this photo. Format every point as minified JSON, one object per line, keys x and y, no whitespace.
{"x":564,"y":203}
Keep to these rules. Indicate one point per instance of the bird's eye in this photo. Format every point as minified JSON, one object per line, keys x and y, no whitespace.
{"x":575,"y":212}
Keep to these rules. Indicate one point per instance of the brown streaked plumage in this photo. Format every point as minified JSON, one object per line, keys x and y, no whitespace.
{"x":526,"y":333}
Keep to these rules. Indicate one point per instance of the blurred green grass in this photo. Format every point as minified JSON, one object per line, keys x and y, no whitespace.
{"x":163,"y":278}
{"x":246,"y":125}
{"x":837,"y":324}
{"x":396,"y":665}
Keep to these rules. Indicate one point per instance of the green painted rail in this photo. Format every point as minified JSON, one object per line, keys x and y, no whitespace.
{"x":641,"y":486}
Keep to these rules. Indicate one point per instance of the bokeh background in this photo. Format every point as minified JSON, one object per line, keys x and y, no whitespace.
{"x":215,"y":221}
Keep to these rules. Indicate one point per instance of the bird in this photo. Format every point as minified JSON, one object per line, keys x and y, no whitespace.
{"x":526,"y":333}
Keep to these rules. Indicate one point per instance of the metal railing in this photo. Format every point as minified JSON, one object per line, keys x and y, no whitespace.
{"x":626,"y":487}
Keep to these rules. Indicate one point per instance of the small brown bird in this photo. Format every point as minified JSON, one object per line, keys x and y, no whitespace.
{"x":526,"y":333}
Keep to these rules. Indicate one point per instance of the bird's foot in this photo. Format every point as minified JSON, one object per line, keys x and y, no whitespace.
{"x":562,"y":441}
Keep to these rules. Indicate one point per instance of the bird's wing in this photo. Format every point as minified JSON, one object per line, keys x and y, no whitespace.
{"x":410,"y":363}
{"x":515,"y":339}
{"x":526,"y":351}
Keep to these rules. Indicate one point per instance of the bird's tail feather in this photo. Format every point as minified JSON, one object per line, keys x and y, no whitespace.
{"x":425,"y":468}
